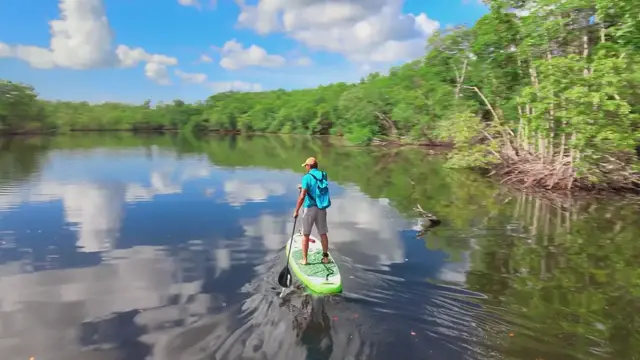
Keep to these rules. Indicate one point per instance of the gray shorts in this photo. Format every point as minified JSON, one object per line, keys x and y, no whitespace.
{"x":312,"y":216}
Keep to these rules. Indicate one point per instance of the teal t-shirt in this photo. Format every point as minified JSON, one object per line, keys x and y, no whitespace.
{"x":307,"y":183}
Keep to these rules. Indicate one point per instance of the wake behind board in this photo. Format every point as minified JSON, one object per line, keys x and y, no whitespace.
{"x":318,"y":277}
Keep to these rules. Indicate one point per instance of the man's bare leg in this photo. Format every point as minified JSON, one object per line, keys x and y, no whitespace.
{"x":305,"y":249}
{"x":324,"y":241}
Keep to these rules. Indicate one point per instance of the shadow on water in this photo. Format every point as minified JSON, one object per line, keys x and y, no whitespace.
{"x":166,"y":247}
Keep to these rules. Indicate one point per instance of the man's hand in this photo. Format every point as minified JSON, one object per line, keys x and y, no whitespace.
{"x":295,"y":214}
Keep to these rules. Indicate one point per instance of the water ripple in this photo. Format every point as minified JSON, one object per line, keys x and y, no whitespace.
{"x":146,"y":252}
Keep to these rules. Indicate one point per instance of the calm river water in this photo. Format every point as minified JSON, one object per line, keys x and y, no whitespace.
{"x":115,"y":246}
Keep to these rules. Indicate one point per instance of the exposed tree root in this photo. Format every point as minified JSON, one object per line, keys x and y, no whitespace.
{"x":532,"y":172}
{"x":559,"y":174}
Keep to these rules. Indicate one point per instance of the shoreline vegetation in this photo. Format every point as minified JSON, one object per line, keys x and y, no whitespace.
{"x":543,"y":95}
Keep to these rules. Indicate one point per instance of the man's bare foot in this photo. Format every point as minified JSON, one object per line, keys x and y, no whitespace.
{"x":325,"y":260}
{"x":303,"y":262}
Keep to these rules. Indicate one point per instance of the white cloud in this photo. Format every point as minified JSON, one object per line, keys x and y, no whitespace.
{"x":303,"y":61}
{"x":194,"y":3}
{"x":39,"y":58}
{"x":129,"y":57}
{"x":362,"y":30}
{"x":191,"y":78}
{"x":365,"y":68}
{"x":158,"y":73}
{"x":5,"y":50}
{"x":223,"y":86}
{"x":205,"y":58}
{"x":217,"y":86}
{"x":82,"y":39}
{"x":235,"y":56}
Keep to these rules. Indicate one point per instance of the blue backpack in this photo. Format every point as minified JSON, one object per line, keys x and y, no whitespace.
{"x":320,"y":192}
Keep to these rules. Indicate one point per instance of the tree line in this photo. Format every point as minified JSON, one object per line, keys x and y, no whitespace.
{"x":546,"y":93}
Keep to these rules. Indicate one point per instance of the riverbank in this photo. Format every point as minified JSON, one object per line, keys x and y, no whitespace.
{"x":535,"y":178}
{"x":522,"y":170}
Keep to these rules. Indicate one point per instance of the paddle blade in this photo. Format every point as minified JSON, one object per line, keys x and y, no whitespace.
{"x":284,"y":278}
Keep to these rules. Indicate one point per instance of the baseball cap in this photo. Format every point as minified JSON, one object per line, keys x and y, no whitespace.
{"x":310,"y":161}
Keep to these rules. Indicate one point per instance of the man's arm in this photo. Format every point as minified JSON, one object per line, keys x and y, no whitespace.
{"x":303,"y":193}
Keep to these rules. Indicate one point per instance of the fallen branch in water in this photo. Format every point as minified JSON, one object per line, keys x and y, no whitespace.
{"x":430,"y":220}
{"x":406,"y":141}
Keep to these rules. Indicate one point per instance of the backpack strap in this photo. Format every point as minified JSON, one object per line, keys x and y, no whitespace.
{"x":309,"y":192}
{"x":324,"y":176}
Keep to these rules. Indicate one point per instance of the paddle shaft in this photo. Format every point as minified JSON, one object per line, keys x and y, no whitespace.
{"x":286,"y":267}
{"x":293,"y":231}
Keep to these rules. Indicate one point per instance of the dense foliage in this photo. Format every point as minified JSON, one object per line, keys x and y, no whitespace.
{"x":547,"y":90}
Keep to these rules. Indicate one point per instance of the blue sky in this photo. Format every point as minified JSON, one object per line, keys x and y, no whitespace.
{"x":132,"y":50}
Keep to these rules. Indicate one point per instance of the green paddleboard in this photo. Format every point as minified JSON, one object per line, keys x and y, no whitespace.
{"x":318,"y":277}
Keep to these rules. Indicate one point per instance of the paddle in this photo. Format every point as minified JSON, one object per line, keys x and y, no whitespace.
{"x":284,"y":278}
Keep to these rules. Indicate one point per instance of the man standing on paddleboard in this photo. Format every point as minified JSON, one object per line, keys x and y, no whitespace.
{"x":314,"y":195}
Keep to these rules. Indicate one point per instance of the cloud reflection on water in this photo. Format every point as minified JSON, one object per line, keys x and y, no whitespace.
{"x":94,"y":207}
{"x":214,"y":296}
{"x":238,"y":192}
